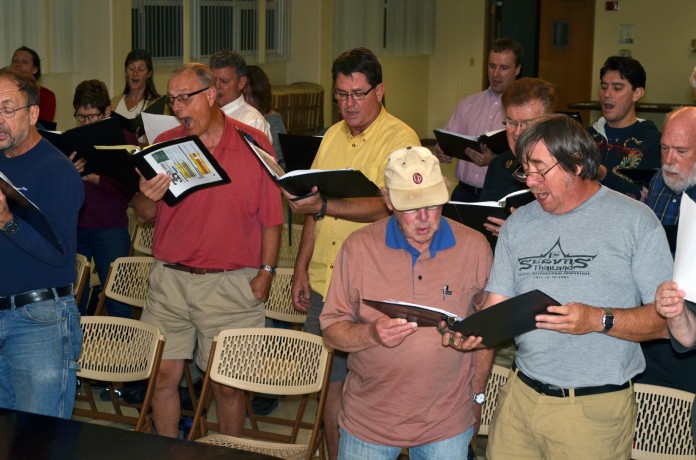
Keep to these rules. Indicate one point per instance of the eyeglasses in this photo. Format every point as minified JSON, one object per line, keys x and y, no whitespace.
{"x":521,"y":175}
{"x":89,"y":117}
{"x":183,"y":98}
{"x":512,"y":125}
{"x":429,"y":209}
{"x":357,"y":96}
{"x":9,"y":112}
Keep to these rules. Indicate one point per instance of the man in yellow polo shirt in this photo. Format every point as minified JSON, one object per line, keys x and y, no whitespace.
{"x":363,"y":140}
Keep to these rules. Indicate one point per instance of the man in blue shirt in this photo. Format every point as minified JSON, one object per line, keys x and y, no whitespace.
{"x":664,"y":365}
{"x":40,"y":332}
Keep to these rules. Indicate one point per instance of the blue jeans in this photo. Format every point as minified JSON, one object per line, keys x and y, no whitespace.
{"x":105,"y":245}
{"x":40,"y":345}
{"x":456,"y":447}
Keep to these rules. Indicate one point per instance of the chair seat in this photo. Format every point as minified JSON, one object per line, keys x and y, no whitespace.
{"x":274,"y":449}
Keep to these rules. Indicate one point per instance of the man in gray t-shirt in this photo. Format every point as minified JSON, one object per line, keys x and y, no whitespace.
{"x":601,"y":255}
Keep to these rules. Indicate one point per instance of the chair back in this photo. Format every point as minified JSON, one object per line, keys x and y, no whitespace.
{"x":141,"y":244}
{"x":289,"y":245}
{"x":82,"y":267}
{"x":663,"y":424}
{"x":127,"y":282}
{"x":279,"y":304}
{"x":117,"y":350}
{"x":497,"y":379}
{"x":272,"y":361}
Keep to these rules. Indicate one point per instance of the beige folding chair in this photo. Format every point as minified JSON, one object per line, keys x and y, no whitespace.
{"x":118,"y":350}
{"x":141,"y":244}
{"x":82,"y":269}
{"x":126,"y":282}
{"x":279,"y":303}
{"x":271,"y":361}
{"x":497,"y":379}
{"x":663,"y":424}
{"x":289,"y":245}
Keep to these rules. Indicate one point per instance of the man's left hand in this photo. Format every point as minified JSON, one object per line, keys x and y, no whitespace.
{"x":572,"y":318}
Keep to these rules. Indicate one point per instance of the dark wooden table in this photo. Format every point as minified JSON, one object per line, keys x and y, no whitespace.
{"x":25,"y":436}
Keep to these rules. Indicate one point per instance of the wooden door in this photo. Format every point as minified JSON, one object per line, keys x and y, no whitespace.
{"x":566,"y":30}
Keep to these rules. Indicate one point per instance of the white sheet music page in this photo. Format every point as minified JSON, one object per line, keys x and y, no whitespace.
{"x":685,"y":257}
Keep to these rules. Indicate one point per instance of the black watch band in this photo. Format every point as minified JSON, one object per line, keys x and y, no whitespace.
{"x":10,"y":227}
{"x":607,"y":320}
{"x":322,"y":213}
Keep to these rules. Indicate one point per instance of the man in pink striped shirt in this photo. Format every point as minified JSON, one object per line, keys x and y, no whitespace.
{"x":480,"y":113}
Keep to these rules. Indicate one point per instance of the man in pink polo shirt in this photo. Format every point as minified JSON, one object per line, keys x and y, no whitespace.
{"x":404,"y":389}
{"x":480,"y":113}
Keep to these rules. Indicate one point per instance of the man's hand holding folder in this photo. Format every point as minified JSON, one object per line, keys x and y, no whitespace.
{"x":154,"y":188}
{"x":304,"y":204}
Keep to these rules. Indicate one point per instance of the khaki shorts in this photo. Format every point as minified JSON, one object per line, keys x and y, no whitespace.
{"x":190,"y":310}
{"x":529,"y":425}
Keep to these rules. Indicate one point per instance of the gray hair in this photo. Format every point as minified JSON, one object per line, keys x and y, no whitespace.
{"x":566,"y":140}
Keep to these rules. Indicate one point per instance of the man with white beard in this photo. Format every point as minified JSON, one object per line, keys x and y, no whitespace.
{"x":663,"y":364}
{"x":678,"y":174}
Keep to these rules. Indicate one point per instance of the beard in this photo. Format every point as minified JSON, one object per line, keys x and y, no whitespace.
{"x":684,"y":181}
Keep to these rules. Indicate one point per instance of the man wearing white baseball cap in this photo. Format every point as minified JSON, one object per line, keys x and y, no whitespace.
{"x":404,"y":389}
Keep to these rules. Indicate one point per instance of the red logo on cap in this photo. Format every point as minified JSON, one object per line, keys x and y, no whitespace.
{"x":417,"y":178}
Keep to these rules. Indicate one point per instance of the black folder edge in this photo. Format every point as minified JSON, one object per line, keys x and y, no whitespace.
{"x":340,"y":183}
{"x":507,"y":319}
{"x":148,"y":172}
{"x":454,"y":145}
{"x":474,"y":216}
{"x":495,"y":324}
{"x":299,"y":150}
{"x":639,"y":176}
{"x":103,"y":132}
{"x":114,"y":164}
{"x":27,"y":211}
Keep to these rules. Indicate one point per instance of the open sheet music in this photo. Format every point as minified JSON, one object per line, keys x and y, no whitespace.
{"x":495,"y":324}
{"x":336,"y":183}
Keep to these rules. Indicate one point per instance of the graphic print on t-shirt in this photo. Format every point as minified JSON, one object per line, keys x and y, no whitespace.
{"x":555,"y":263}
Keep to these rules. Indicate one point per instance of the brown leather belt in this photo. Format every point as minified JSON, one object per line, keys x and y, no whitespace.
{"x":39,"y":295}
{"x":194,"y":270}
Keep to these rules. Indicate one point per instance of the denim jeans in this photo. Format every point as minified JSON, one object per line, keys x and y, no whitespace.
{"x":105,"y":245}
{"x":456,"y":447}
{"x":40,"y":344}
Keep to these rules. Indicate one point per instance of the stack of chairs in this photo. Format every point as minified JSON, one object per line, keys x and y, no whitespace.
{"x":301,"y":107}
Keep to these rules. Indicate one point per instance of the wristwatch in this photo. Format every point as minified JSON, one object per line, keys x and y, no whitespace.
{"x":322,"y":213}
{"x":479,"y":398}
{"x":269,"y":269}
{"x":607,"y":320}
{"x":10,"y":227}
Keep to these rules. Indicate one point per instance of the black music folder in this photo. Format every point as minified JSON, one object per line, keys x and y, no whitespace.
{"x":495,"y":324}
{"x":455,"y":144}
{"x":26,"y":210}
{"x":337,"y":183}
{"x":103,"y":132}
{"x":186,"y":160}
{"x":114,"y":163}
{"x":476,"y":214}
{"x":299,"y":151}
